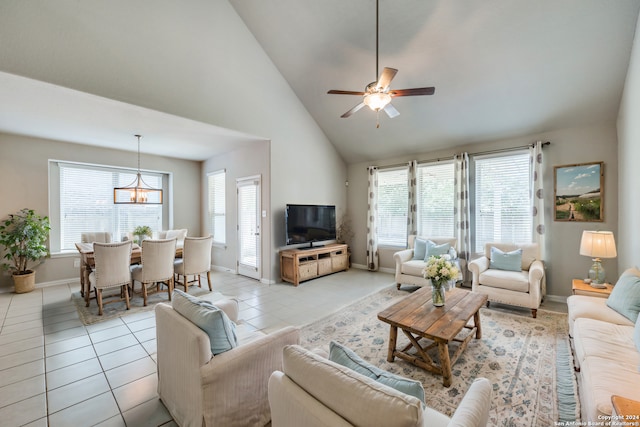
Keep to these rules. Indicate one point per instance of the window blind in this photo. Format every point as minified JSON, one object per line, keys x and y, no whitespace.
{"x":502,"y":208}
{"x":393,"y":199}
{"x":435,"y":201}
{"x":216,"y":206}
{"x":86,"y":203}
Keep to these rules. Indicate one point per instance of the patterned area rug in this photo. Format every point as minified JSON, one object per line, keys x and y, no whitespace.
{"x":521,"y":356}
{"x":89,"y":315}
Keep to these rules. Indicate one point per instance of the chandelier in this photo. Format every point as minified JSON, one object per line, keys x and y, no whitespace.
{"x":138,"y":192}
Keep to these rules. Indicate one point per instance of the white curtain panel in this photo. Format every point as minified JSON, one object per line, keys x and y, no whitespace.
{"x":461,"y":212}
{"x":372,"y":216}
{"x":412,"y":219}
{"x":537,"y":196}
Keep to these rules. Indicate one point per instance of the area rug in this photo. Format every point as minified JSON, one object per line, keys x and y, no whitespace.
{"x":525,"y":359}
{"x":89,"y":315}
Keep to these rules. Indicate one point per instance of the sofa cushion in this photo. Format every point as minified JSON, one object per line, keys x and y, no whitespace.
{"x":333,"y":385}
{"x":413,"y":267}
{"x":434,"y":249}
{"x":603,"y":339}
{"x":346,"y":357}
{"x":636,"y":335}
{"x":419,"y":249}
{"x":509,"y":261}
{"x":511,"y":280}
{"x":625,"y":296}
{"x":213,"y":321}
{"x":580,"y":306}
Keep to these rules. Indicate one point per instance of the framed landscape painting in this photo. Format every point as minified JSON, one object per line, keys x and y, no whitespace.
{"x":579,"y":192}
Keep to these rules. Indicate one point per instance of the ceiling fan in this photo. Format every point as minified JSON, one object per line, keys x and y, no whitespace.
{"x":377,"y":95}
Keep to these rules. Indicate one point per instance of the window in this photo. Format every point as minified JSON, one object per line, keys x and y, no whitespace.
{"x":82,"y":201}
{"x":216,"y":206}
{"x":393,"y":199}
{"x":502,"y":209}
{"x":435,"y":199}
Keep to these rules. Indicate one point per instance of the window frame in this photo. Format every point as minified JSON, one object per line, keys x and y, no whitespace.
{"x":55,"y":193}
{"x":419,"y":202}
{"x":393,"y":243}
{"x":211,"y":216}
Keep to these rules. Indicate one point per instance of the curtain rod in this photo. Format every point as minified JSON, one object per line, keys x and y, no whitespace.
{"x":479,"y":153}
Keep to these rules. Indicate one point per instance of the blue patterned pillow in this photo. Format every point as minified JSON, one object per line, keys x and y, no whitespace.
{"x":510,"y":261}
{"x":625,"y":296}
{"x":213,"y":321}
{"x":436,"y":250}
{"x":419,"y":249}
{"x":346,"y":357}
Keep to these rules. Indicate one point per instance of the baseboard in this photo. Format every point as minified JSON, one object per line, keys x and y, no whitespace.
{"x":359,"y":266}
{"x":556,"y":298}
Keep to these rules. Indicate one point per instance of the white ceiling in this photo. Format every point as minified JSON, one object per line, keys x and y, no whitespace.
{"x":53,"y":112}
{"x":501,"y":68}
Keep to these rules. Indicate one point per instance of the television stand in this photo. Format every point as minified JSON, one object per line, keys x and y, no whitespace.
{"x":298,"y":265}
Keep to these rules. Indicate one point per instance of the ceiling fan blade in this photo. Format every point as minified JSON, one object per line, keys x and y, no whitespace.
{"x":413,"y":92}
{"x":344,"y":92}
{"x":391,"y":111}
{"x":385,"y":78}
{"x":353,"y":110}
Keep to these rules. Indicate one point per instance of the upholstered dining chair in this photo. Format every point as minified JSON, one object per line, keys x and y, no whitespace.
{"x":96,"y":237}
{"x":196,"y":259}
{"x":156,"y":266}
{"x":112,"y":262}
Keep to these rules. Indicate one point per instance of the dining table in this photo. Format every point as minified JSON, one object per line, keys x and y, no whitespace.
{"x":88,"y":262}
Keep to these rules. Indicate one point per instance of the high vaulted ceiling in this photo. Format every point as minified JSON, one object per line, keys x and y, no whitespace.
{"x":501,"y":68}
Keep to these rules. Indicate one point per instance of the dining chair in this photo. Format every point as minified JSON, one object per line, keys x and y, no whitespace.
{"x":111,"y":270}
{"x":196,"y":259}
{"x":91,"y":237}
{"x":156,"y":266}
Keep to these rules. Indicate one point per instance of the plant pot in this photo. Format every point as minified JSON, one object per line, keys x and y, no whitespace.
{"x":24,"y":282}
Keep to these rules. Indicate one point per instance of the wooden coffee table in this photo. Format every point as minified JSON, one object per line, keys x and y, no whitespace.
{"x":418,"y":318}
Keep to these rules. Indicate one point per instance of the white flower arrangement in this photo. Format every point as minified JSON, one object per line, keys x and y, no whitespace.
{"x":440,"y":270}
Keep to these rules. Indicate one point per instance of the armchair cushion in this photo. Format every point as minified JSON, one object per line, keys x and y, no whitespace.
{"x":512,"y":280}
{"x":211,"y":319}
{"x":346,"y":357}
{"x":625,"y":296}
{"x":510,"y":261}
{"x":420,"y":249}
{"x":434,"y":249}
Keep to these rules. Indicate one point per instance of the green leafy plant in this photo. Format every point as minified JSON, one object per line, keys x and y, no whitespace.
{"x":24,"y":235}
{"x":142,"y":230}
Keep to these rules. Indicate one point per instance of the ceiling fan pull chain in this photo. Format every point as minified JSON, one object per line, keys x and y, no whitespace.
{"x":378,"y":119}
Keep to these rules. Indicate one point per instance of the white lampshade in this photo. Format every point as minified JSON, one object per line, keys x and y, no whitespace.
{"x":598,"y":244}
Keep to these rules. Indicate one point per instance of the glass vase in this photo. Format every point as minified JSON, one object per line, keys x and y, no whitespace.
{"x":437,"y":294}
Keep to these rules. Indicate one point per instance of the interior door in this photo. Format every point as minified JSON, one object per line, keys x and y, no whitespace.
{"x":249,"y":233}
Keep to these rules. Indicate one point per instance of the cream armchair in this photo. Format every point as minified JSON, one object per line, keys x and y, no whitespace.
{"x":525,"y":288}
{"x":313,"y":391}
{"x":229,"y":389}
{"x":409,"y":270}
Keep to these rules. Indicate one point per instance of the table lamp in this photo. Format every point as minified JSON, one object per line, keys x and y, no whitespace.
{"x":597,"y":245}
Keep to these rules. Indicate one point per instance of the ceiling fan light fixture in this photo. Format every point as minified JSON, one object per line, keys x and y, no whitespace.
{"x":377,"y":101}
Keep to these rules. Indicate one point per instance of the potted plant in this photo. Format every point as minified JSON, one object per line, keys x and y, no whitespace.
{"x":141,"y":232}
{"x":24,"y":235}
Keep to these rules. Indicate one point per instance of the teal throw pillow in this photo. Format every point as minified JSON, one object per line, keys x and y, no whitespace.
{"x":346,"y":357}
{"x":419,"y":248}
{"x":510,"y":261}
{"x":213,"y":321}
{"x":436,"y":250}
{"x":625,"y":296}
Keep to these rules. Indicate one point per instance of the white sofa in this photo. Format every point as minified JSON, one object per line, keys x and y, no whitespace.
{"x":229,"y":389}
{"x":409,"y":270}
{"x":525,"y":288}
{"x":604,"y":354}
{"x":312,"y":391}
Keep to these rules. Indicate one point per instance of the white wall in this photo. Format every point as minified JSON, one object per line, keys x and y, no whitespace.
{"x":194,"y":59}
{"x":24,"y":174}
{"x":240,"y":164}
{"x":568,"y":146}
{"x":628,"y":164}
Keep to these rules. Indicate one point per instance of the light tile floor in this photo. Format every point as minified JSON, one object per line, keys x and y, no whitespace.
{"x":54,"y":371}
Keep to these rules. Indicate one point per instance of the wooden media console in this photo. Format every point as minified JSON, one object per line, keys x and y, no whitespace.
{"x":298,"y":265}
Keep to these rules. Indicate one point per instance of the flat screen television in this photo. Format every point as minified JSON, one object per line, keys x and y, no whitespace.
{"x":309,"y":223}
